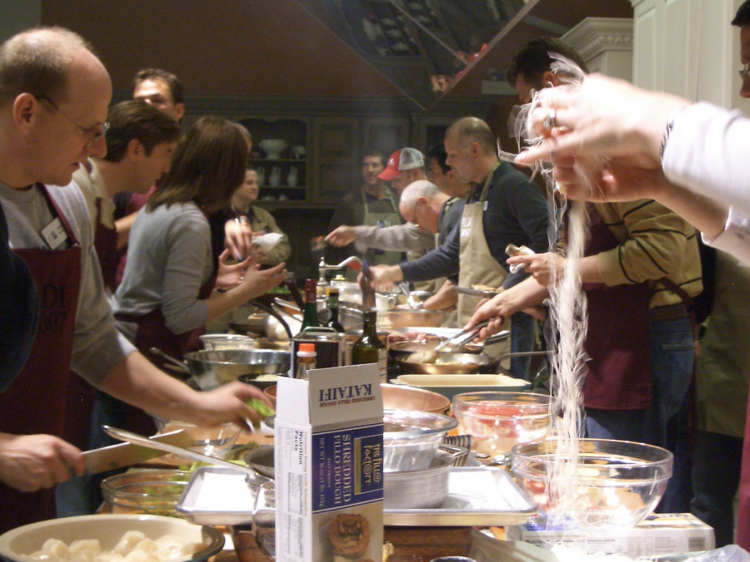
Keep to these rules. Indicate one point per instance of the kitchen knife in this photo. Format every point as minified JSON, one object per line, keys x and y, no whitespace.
{"x":127,"y":454}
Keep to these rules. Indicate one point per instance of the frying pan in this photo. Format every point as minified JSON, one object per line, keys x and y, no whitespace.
{"x":462,"y":363}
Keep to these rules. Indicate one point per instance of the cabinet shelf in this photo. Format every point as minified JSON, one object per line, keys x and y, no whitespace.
{"x":293,"y":160}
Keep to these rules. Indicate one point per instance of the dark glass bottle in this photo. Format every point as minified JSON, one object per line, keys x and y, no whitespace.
{"x":310,"y":319}
{"x":333,"y":306}
{"x":368,"y":348}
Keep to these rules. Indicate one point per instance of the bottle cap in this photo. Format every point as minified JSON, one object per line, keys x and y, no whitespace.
{"x":307,"y":347}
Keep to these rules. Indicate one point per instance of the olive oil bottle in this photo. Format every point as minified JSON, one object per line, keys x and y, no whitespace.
{"x":368,"y":348}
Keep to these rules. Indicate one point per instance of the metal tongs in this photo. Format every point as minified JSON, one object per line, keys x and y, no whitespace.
{"x":462,"y":338}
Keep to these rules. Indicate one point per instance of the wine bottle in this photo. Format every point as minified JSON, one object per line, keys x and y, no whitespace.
{"x":310,"y":319}
{"x":368,"y":348}
{"x":333,"y":306}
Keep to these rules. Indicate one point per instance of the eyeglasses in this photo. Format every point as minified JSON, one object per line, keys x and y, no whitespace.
{"x":745,"y":72}
{"x":90,"y":134}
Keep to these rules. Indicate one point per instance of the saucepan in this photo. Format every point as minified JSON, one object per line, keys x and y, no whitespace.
{"x":403,"y":349}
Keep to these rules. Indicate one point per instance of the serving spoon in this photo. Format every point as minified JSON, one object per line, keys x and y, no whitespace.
{"x":450,"y":345}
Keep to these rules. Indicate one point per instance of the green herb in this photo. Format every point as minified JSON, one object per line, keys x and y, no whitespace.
{"x":263,"y":409}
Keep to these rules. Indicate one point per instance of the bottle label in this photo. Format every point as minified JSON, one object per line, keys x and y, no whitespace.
{"x":383,"y":364}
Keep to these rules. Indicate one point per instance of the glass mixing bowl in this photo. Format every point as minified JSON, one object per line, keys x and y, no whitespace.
{"x":619,"y":482}
{"x":498,"y":421}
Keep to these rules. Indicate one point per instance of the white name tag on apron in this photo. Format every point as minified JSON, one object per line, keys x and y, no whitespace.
{"x":466,"y":223}
{"x":54,"y":234}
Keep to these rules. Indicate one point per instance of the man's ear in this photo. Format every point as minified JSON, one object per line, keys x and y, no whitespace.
{"x":135,"y":148}
{"x":550,"y":77}
{"x":25,"y":106}
{"x":179,"y":110}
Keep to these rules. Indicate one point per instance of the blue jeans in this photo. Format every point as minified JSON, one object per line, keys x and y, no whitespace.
{"x":665,"y":424}
{"x":672,"y":362}
{"x":521,"y":339}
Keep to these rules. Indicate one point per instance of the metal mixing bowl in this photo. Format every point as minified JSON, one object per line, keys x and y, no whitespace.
{"x":411,"y":439}
{"x":425,"y":488}
{"x":224,"y":366}
{"x":619,"y":482}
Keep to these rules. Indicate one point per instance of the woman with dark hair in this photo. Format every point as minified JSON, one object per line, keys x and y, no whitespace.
{"x":164,"y":300}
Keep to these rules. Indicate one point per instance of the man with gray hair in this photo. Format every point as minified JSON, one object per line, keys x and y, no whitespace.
{"x":54,"y":95}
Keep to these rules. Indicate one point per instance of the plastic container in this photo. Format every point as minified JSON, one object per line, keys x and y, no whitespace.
{"x":411,"y":439}
{"x":306,"y":358}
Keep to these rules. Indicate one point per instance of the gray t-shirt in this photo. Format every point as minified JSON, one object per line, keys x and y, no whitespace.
{"x":97,"y":346}
{"x":169,"y":260}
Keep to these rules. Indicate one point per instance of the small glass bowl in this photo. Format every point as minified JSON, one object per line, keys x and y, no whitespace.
{"x":498,"y":421}
{"x":211,"y":441}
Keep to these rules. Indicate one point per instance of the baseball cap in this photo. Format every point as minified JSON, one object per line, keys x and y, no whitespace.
{"x":400,"y":161}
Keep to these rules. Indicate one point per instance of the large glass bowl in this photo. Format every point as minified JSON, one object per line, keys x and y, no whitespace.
{"x":411,"y":439}
{"x":619,"y":482}
{"x":498,"y":421}
{"x":152,"y":492}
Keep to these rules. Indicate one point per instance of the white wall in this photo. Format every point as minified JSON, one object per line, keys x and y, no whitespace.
{"x":689,"y":48}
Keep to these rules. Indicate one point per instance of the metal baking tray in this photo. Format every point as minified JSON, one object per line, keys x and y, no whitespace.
{"x":476,"y":496}
{"x":217,"y":496}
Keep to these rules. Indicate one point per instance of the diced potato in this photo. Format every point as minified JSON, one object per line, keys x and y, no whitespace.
{"x":57,"y":549}
{"x":41,"y":556}
{"x":147,"y":545}
{"x":85,"y":544}
{"x":128,"y":542}
{"x":109,"y":557}
{"x":85,"y":556}
{"x":139,"y":556}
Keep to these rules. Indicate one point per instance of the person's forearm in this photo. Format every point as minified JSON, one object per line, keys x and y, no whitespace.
{"x":526,"y":294}
{"x":445,"y":298}
{"x":588,"y":269}
{"x":136,"y":381}
{"x":122,"y":227}
{"x":707,"y":215}
{"x":393,"y":238}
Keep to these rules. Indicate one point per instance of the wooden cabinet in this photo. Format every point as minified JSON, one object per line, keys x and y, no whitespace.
{"x":335,"y":145}
{"x":386,"y":134}
{"x":282,"y":175}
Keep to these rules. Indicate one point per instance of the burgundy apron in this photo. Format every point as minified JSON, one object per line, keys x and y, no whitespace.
{"x":105,"y":242}
{"x":153,"y":332}
{"x":619,"y":372}
{"x":35,"y":402}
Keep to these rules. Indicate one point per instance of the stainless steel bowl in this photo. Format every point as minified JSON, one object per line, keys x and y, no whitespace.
{"x":261,"y":460}
{"x":405,"y":318}
{"x":411,"y":439}
{"x":218,"y":367}
{"x":425,"y":488}
{"x":402,"y":397}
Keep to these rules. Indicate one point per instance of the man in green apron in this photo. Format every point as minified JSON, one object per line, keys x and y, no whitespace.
{"x":373,"y":204}
{"x":502,"y":208}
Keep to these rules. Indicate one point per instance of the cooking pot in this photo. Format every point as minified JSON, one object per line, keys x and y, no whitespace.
{"x":426,"y":488}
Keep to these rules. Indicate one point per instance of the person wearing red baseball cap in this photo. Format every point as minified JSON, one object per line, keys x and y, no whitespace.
{"x":404,"y":167}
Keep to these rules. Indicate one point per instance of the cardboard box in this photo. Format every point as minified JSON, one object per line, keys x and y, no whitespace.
{"x":329,"y":466}
{"x":661,"y":533}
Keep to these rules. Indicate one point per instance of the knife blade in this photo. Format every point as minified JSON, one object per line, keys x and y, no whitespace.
{"x":127,"y":454}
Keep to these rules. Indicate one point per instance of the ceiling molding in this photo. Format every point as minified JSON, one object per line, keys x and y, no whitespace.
{"x":593,"y":36}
